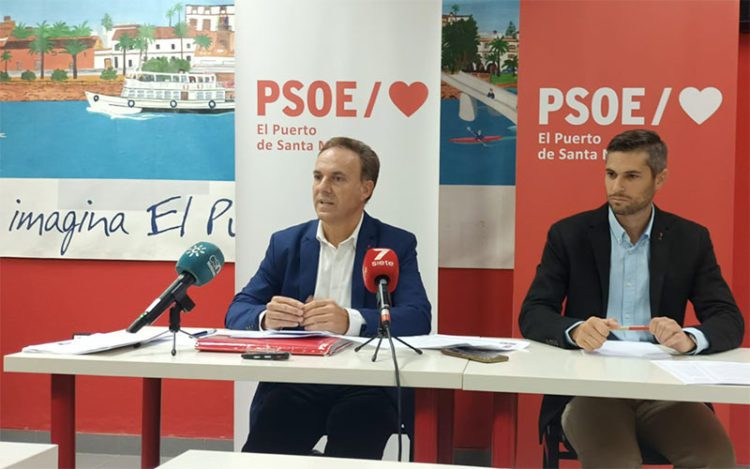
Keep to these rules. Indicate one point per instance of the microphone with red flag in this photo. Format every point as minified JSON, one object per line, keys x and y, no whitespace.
{"x":380,"y":274}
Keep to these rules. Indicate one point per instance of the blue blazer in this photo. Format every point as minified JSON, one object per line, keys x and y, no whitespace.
{"x":290,"y":268}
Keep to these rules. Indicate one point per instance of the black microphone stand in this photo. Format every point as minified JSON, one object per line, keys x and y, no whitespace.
{"x":384,"y":331}
{"x":181,"y":303}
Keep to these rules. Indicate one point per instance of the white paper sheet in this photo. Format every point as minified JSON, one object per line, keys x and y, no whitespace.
{"x":438,"y":341}
{"x":625,"y":348}
{"x":111,"y":340}
{"x":707,"y":372}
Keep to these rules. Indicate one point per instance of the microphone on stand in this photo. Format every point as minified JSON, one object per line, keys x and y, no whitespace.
{"x":380,"y":274}
{"x":197,"y":266}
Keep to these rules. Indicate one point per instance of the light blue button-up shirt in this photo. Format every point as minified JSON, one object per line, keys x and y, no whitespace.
{"x":629,"y":299}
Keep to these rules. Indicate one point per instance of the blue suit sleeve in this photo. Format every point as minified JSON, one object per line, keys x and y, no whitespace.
{"x":248,"y":304}
{"x":411,"y":313}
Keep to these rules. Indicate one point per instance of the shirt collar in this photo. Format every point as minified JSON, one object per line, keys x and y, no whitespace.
{"x":619,"y":232}
{"x":321,"y":237}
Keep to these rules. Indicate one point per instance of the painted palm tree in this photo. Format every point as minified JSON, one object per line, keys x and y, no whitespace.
{"x":203,"y":41}
{"x":107,"y":22}
{"x":145,"y":37}
{"x":175,"y":10}
{"x":74,"y":48}
{"x":169,"y":15}
{"x":6,"y":58}
{"x":125,"y":43}
{"x":181,"y":30}
{"x":59,"y":29}
{"x":511,"y":64}
{"x":178,"y":9}
{"x":81,"y":30}
{"x":498,"y":47}
{"x":42,"y":43}
{"x":21,"y":31}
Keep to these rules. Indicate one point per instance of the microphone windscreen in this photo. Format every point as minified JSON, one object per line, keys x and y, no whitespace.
{"x":378,"y":263}
{"x":202,"y":260}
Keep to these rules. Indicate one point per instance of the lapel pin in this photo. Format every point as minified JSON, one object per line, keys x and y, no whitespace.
{"x":661,"y":235}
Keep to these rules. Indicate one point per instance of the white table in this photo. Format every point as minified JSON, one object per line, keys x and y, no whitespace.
{"x":27,"y":455}
{"x":200,"y":459}
{"x":544,"y":369}
{"x":433,"y":374}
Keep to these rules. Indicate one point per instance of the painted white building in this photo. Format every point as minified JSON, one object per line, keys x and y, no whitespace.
{"x":484,"y":50}
{"x":165,"y":44}
{"x":210,"y":17}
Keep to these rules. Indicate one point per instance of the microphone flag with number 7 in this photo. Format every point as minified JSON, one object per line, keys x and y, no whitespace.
{"x":380,"y":264}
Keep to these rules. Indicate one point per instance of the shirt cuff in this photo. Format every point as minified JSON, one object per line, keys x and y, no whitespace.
{"x":701,"y":343}
{"x":356,"y":321}
{"x":567,"y":333}
{"x":260,"y":320}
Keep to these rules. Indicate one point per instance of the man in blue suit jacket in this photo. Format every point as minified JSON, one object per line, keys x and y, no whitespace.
{"x":311,"y":278}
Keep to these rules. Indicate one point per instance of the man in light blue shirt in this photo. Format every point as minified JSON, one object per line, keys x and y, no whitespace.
{"x":628,"y":303}
{"x":629,"y":264}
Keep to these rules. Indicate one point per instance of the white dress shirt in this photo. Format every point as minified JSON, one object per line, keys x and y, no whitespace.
{"x":334,"y":280}
{"x":335,"y":269}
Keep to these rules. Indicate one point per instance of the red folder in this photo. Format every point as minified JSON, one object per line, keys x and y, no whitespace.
{"x":318,"y":345}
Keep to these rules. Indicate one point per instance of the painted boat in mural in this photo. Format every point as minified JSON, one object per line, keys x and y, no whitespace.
{"x":475,"y":140}
{"x":166,"y":92}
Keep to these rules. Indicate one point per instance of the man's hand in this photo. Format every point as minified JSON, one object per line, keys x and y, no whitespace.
{"x":670,"y":334}
{"x":325,"y":315}
{"x":282,"y":311}
{"x":591,"y":334}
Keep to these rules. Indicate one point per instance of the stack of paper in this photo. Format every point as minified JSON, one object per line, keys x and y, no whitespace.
{"x":101,"y":341}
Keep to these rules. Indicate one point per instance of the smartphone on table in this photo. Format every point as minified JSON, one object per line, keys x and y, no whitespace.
{"x":476,"y":354}
{"x":265,"y":355}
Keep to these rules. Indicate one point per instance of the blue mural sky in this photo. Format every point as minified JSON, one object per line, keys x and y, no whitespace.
{"x":490,"y":15}
{"x":31,"y":12}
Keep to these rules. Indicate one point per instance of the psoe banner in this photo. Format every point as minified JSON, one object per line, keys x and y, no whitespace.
{"x":309,"y":71}
{"x":114,"y":219}
{"x":594,"y":69}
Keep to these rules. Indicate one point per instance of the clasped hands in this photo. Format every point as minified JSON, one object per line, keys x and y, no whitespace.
{"x":313,"y":315}
{"x":591,"y":334}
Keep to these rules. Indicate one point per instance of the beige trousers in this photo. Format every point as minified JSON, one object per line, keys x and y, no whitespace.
{"x":605,"y":432}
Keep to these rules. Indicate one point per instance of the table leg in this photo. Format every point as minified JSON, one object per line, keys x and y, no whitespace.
{"x":63,"y":419}
{"x":504,"y":429}
{"x":445,"y":426}
{"x":151,"y":423}
{"x":433,"y":425}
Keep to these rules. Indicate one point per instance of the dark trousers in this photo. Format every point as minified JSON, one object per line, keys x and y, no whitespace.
{"x":291,"y":418}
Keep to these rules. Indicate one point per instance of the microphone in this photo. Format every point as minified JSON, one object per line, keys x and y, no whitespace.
{"x":380,"y":274}
{"x":197,"y":266}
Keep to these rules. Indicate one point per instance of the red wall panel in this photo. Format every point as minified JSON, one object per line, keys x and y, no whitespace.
{"x":45,"y":300}
{"x":740,"y":415}
{"x":475,"y":302}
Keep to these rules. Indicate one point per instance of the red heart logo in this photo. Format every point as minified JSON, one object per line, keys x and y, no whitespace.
{"x":408,"y":98}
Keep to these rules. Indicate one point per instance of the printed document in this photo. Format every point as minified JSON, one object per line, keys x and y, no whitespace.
{"x":707,"y":372}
